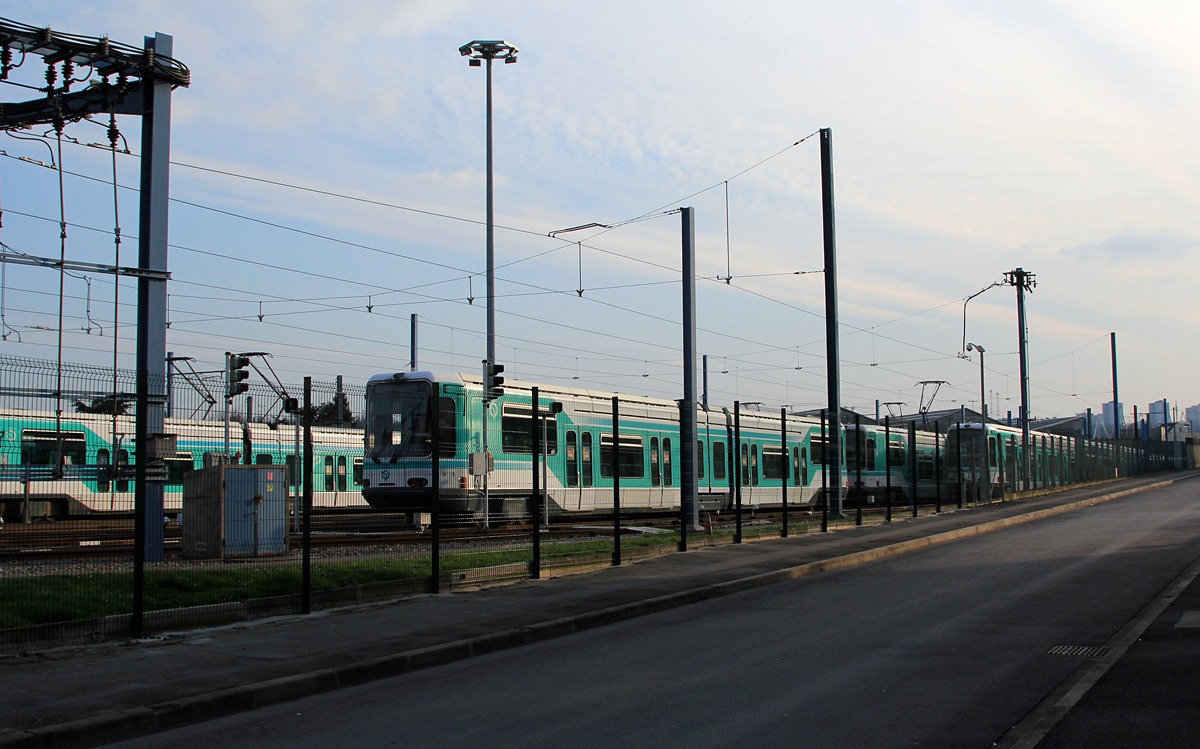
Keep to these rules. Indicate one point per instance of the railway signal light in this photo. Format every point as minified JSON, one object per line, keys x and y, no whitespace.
{"x":235,"y":373}
{"x":492,"y":381}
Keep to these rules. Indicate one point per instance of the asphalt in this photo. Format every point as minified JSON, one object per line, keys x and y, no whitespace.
{"x":90,"y":696}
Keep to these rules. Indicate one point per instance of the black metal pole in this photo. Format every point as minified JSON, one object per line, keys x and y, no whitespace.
{"x":536,"y":568}
{"x":833,"y":449}
{"x":684,"y":510}
{"x":139,"y":516}
{"x":737,"y":492}
{"x":787,"y":465}
{"x":912,"y":461}
{"x":824,"y":477}
{"x":887,"y":464}
{"x":689,"y":506}
{"x":1112,"y":337}
{"x":435,"y":483}
{"x":958,"y":448}
{"x":860,"y":445}
{"x":306,"y":521}
{"x":616,"y":474}
{"x":937,"y":466}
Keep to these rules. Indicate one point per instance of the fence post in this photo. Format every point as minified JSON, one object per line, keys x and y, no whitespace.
{"x":616,"y":474}
{"x":937,"y":465}
{"x":787,"y":466}
{"x":535,"y":570}
{"x":824,"y":477}
{"x":958,"y":447}
{"x":887,"y":463}
{"x":306,"y":523}
{"x":912,"y":449}
{"x":737,"y":451}
{"x":860,"y":449}
{"x":435,"y":484}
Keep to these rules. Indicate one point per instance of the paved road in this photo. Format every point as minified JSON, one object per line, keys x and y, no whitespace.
{"x":944,"y":648}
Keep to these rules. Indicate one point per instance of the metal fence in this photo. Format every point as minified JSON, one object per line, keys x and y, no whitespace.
{"x":268,"y":518}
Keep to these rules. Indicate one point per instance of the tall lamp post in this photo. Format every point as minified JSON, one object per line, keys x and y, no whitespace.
{"x":982,"y":391}
{"x":479,"y":51}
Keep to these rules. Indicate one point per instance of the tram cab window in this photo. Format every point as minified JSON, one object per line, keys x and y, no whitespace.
{"x":718,"y":462}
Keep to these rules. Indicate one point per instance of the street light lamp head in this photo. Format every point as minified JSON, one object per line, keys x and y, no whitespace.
{"x":483,"y":50}
{"x":975,"y":347}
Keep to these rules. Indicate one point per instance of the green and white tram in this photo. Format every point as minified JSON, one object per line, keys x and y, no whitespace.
{"x":578,"y":449}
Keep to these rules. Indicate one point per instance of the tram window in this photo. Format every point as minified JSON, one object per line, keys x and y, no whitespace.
{"x":745,"y":464}
{"x":795,"y":465}
{"x":896,"y":456}
{"x":699,"y":460}
{"x":804,"y":466}
{"x":818,"y":450}
{"x":122,"y":460}
{"x":292,"y":473}
{"x":328,"y":473}
{"x":358,"y":471}
{"x":631,"y":457}
{"x":585,"y":452}
{"x":870,"y":464}
{"x":179,"y":465}
{"x":754,"y":465}
{"x":655,"y":469}
{"x":516,"y":426}
{"x":774,"y":463}
{"x":341,"y":473}
{"x":103,"y":483}
{"x":40,"y":447}
{"x":992,"y":452}
{"x":264,"y":459}
{"x":925,"y":467}
{"x":668,"y":467}
{"x":572,"y":461}
{"x":718,"y":449}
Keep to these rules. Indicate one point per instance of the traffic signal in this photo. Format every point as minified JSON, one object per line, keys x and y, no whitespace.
{"x":492,"y":382}
{"x":235,"y":373}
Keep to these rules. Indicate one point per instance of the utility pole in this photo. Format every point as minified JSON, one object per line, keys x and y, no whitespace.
{"x":834,"y":446}
{"x":1112,"y":341}
{"x":1024,"y":281}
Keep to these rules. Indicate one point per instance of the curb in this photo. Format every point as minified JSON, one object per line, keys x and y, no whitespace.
{"x":133,"y":722}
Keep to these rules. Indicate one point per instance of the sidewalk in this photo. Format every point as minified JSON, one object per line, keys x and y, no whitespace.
{"x":89,"y":696}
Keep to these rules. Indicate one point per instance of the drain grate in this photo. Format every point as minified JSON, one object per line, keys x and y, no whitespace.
{"x":1087,"y":651}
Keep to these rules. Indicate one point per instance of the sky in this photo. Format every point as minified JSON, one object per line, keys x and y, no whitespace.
{"x":328,"y":181}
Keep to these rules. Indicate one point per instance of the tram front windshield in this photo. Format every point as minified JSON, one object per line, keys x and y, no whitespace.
{"x":397,"y":421}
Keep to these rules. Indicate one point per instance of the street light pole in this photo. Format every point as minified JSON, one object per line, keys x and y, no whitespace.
{"x":479,"y":51}
{"x":982,"y":390}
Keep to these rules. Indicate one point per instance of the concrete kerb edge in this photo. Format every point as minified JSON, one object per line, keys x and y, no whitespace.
{"x":122,"y":724}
